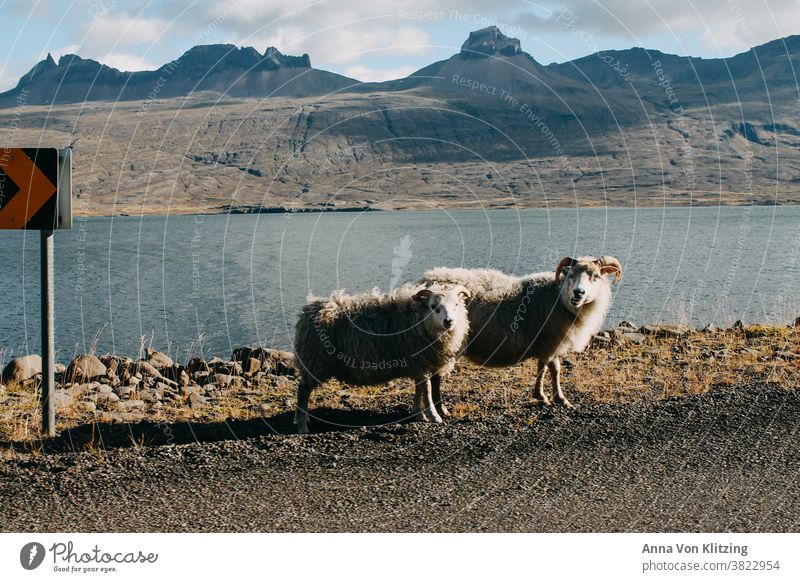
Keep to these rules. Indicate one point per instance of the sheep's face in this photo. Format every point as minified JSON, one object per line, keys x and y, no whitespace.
{"x":584,"y":279}
{"x":445,"y":310}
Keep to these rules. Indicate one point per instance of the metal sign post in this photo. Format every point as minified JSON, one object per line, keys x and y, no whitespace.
{"x":36,"y":194}
{"x":48,"y":336}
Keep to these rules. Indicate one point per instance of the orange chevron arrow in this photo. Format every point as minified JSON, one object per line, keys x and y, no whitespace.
{"x":35,"y":189}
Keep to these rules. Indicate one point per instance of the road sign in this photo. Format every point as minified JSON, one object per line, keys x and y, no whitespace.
{"x":31,"y":180}
{"x":36,"y":194}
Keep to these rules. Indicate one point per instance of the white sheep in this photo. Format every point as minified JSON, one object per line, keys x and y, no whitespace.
{"x":538,"y":316}
{"x":372,"y":338}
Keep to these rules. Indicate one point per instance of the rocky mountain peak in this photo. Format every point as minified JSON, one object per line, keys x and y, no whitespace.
{"x":489,"y":41}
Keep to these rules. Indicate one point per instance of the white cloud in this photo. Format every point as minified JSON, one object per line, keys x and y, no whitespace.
{"x":722,"y":26}
{"x":116,"y":59}
{"x":126,"y":62}
{"x":109,"y":31}
{"x":338,"y":46}
{"x":368,"y":74}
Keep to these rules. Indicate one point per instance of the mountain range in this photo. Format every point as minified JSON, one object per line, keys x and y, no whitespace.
{"x":487,"y":56}
{"x":490,"y":126}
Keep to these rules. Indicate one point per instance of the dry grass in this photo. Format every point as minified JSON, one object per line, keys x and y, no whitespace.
{"x":619,"y":373}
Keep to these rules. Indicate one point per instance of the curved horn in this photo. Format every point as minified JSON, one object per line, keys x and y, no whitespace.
{"x":608,"y":265}
{"x":565,"y":262}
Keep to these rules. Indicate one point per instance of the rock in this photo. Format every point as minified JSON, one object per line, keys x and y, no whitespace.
{"x":797,"y":322}
{"x":173,"y":372}
{"x":129,"y":405}
{"x":229,"y":367}
{"x":158,"y":359}
{"x":101,"y":388}
{"x":170,"y":383}
{"x":487,"y":42}
{"x":87,"y":406}
{"x":787,"y":356}
{"x":80,"y":390}
{"x":125,"y":391}
{"x":144,"y":368}
{"x":187,"y":391}
{"x":281,"y":363}
{"x":665,"y":330}
{"x":197,"y":401}
{"x":184,"y":379}
{"x":104,"y":400}
{"x":633,"y":337}
{"x":200,"y":377}
{"x":601,"y":340}
{"x":22,"y":368}
{"x":226,"y":380}
{"x":196,"y":365}
{"x":760,"y":330}
{"x":63,"y":399}
{"x":120,"y":417}
{"x":272,"y":361}
{"x":114,"y":363}
{"x":150,"y":396}
{"x":251,"y":366}
{"x":59,"y":368}
{"x":85,"y":368}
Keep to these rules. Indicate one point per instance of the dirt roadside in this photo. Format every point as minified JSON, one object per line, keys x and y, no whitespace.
{"x":725,"y":460}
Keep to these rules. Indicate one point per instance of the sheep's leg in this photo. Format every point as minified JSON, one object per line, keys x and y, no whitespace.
{"x":424,"y":409}
{"x":304,"y":389}
{"x":538,"y":387}
{"x":436,"y":391}
{"x":555,"y":374}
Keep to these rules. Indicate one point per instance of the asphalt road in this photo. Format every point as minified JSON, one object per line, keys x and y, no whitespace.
{"x":722,"y":461}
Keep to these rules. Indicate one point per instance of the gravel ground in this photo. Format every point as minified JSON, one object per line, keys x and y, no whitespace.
{"x":722,"y":461}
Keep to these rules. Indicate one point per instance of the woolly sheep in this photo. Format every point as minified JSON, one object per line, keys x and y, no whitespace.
{"x":534,"y":316}
{"x":373,"y":338}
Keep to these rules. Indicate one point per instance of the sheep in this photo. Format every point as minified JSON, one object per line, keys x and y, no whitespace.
{"x":372,"y":338}
{"x":534,"y":316}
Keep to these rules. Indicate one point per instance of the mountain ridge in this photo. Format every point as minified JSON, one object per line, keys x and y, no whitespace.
{"x":244,"y":72}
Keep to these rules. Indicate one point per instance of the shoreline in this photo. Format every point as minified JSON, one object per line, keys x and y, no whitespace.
{"x":248,"y":209}
{"x":640,"y":364}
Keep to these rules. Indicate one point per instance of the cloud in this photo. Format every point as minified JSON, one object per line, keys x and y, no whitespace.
{"x":118,"y":60}
{"x":126,"y":62}
{"x":368,"y":74}
{"x":108,"y":31}
{"x":721,"y":25}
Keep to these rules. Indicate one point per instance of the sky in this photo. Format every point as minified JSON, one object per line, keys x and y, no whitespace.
{"x":378,"y":39}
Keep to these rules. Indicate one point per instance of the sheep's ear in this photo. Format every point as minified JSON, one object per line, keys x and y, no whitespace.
{"x":609,"y":265}
{"x":464,"y":293}
{"x":422,"y":295}
{"x":565,"y":262}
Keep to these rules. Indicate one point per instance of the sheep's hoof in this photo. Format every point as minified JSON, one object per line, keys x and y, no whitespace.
{"x":543,"y":400}
{"x":443,"y":411}
{"x":428,"y":416}
{"x":565,"y":403}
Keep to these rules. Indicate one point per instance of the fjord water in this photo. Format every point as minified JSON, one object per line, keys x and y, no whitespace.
{"x":211,"y":283}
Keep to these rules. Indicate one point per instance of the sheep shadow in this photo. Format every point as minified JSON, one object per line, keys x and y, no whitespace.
{"x":103,"y":436}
